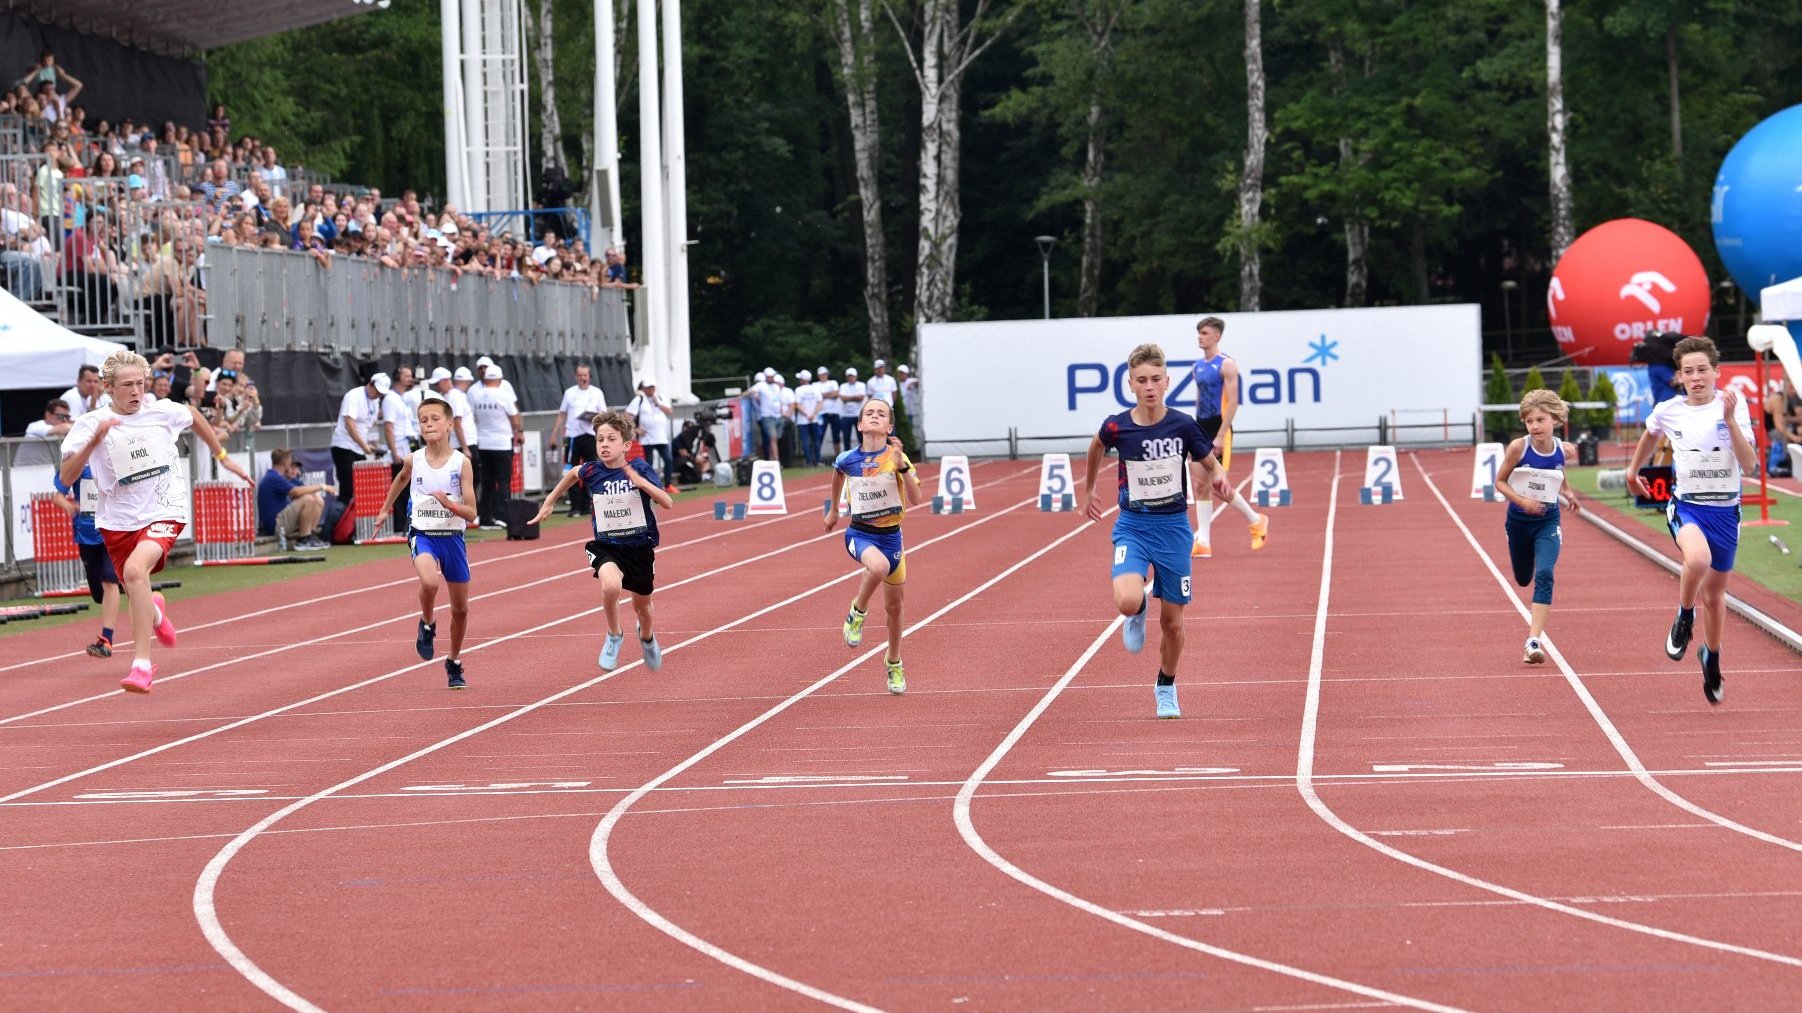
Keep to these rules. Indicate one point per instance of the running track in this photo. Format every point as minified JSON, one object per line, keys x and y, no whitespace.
{"x":1369,"y":801}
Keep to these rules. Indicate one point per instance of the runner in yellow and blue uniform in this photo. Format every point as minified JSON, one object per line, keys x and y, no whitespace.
{"x":879,"y":484}
{"x":1216,"y":402}
{"x":1158,"y":446}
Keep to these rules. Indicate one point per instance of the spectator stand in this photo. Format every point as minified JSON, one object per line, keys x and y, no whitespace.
{"x":60,"y":573}
{"x":370,"y":480}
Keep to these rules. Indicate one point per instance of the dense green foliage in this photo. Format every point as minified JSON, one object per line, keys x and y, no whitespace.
{"x":1440,"y":106}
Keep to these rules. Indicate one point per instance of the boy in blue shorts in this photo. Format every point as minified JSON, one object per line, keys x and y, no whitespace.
{"x":879,"y":484}
{"x":1711,"y":447}
{"x":623,"y":553}
{"x":1159,"y":449}
{"x":1531,"y":479}
{"x":442,"y":495}
{"x":79,"y":502}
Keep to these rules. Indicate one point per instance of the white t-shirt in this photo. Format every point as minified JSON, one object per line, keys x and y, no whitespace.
{"x":428,"y":513}
{"x":883,"y":387}
{"x":807,"y":403}
{"x":577,"y":403}
{"x":142,"y":449}
{"x":72,"y":398}
{"x":787,"y":394}
{"x":769,"y":402}
{"x":910,"y":396}
{"x":828,"y":405}
{"x":357,"y":406}
{"x":493,"y":409}
{"x":465,"y":415}
{"x":1702,"y":448}
{"x":850,"y":397}
{"x":649,"y":417}
{"x":398,"y":409}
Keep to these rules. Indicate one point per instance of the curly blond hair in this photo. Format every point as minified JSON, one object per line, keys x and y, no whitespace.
{"x":1541,"y":400}
{"x":109,"y":370}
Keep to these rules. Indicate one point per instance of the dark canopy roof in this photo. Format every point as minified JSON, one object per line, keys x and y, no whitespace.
{"x":185,"y":26}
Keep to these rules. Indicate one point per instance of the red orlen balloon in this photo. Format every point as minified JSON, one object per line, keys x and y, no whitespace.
{"x":1620,"y":280}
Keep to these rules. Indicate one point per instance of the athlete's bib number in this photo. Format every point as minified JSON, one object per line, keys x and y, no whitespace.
{"x":139,"y":454}
{"x":1156,"y":482}
{"x":90,"y":495}
{"x":1540,"y":485}
{"x":873,"y":496}
{"x":1707,"y":475}
{"x":431,"y":515}
{"x":619,"y":515}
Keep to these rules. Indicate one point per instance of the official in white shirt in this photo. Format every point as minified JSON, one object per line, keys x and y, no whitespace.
{"x":506,"y":385}
{"x":400,"y":422}
{"x":850,"y":402}
{"x":881,"y":384}
{"x":498,"y":436}
{"x":808,"y":419}
{"x":651,"y":415}
{"x":828,"y":388}
{"x":910,"y":397}
{"x":767,"y":398}
{"x":575,"y":422}
{"x":358,"y":434}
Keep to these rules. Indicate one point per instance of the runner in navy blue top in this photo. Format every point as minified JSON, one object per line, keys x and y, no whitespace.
{"x":624,"y":550}
{"x":1531,"y":478}
{"x":79,"y":501}
{"x":1158,"y":448}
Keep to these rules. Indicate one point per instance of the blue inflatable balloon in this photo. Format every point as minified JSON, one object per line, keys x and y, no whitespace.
{"x":1757,"y":210}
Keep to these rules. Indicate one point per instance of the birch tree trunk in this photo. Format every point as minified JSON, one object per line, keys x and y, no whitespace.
{"x":1251,"y":181}
{"x":1563,"y":227}
{"x":1099,"y":20}
{"x":550,"y":124}
{"x":1357,"y":230}
{"x":856,"y":38}
{"x":951,"y":204}
{"x":1670,"y":61}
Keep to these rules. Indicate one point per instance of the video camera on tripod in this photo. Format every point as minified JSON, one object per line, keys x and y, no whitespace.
{"x":1656,"y":348}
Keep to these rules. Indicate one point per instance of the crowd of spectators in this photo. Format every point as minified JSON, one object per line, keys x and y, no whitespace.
{"x":119,"y":217}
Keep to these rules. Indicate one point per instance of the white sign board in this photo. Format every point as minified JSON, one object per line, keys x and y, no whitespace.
{"x":1381,"y":468}
{"x":1270,"y":477}
{"x":1483,"y":468}
{"x":1322,"y":368}
{"x":954,"y":481}
{"x":766,"y":489}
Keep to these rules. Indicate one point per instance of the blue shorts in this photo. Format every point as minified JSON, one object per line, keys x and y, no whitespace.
{"x":1719,"y":524}
{"x":1159,"y":542}
{"x":889,"y":542}
{"x":448,"y":550}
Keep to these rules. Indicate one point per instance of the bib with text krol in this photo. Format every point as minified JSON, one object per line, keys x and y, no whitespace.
{"x":619,"y":515}
{"x":1540,"y":485}
{"x":873,"y":496}
{"x":1154,"y":483}
{"x":1707,"y":475}
{"x":138,"y":454}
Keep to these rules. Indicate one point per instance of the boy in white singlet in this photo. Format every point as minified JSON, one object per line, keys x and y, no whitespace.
{"x":131,"y":445}
{"x":1711,"y":448}
{"x":623,"y":553}
{"x":442,"y":494}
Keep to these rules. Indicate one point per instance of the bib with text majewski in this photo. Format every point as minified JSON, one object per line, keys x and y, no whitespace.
{"x":619,"y":515}
{"x":1538,"y":484}
{"x":1156,"y":482}
{"x":138,"y":454}
{"x":873,"y":496}
{"x":1707,"y":475}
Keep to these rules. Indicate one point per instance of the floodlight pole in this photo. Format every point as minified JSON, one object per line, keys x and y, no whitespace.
{"x":1045,"y":245}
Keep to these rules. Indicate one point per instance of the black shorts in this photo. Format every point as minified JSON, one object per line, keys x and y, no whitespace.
{"x":637,"y":564}
{"x":100,"y":569}
{"x":1210,"y":426}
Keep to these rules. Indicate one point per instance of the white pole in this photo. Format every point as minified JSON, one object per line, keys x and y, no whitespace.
{"x":603,"y":187}
{"x":475,"y":109}
{"x":676,"y":383}
{"x":652,"y":249}
{"x":456,"y":188}
{"x":521,"y":192}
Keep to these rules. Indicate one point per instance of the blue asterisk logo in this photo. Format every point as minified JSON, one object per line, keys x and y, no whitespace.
{"x":1322,"y":350}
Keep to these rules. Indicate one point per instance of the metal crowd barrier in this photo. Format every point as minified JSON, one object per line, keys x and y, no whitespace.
{"x":60,"y":573}
{"x":225,"y":523}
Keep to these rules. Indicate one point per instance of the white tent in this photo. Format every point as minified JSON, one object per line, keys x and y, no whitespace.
{"x":36,"y":352}
{"x":1782,"y":301}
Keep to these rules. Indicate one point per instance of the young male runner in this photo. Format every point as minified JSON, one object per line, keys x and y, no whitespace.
{"x":441,"y":504}
{"x":1159,"y":447}
{"x":1531,"y":478}
{"x":1216,"y":402}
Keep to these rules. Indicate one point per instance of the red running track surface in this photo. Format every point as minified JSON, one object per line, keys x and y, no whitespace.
{"x":1369,"y":800}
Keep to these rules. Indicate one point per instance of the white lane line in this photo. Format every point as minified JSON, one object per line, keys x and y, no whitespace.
{"x":966,"y":828}
{"x":1304,"y":782}
{"x":1615,"y":738}
{"x":205,"y":907}
{"x":602,"y":862}
{"x":162,"y":679}
{"x":385,"y":585}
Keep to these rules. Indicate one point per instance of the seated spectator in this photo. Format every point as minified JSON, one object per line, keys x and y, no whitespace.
{"x":696,"y":450}
{"x":45,"y":435}
{"x":288,"y":509}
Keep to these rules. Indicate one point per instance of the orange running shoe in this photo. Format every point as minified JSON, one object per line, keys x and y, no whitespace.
{"x":1201,"y":549}
{"x":1260,"y":532}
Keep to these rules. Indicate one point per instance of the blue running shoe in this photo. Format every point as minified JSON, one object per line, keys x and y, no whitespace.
{"x":1167,"y":707}
{"x":653,"y":651}
{"x":610,"y":650}
{"x":453,"y":671}
{"x":423,"y":642}
{"x":1132,"y":633}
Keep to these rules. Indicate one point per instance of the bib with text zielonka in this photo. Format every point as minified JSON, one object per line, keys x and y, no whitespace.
{"x":90,"y":495}
{"x":873,"y":496}
{"x":138,"y":454}
{"x":619,"y":515}
{"x":1540,"y":485}
{"x":1707,"y":475}
{"x":1157,"y":482}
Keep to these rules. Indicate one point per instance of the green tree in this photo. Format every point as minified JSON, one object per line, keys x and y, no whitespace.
{"x":1498,"y":391}
{"x":1601,"y":388}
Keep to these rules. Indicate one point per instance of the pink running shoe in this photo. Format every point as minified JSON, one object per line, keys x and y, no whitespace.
{"x":139,"y":679}
{"x":165,"y":630}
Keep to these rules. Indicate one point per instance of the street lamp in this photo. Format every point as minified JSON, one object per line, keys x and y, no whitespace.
{"x":1509,"y":286}
{"x":1045,"y":245}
